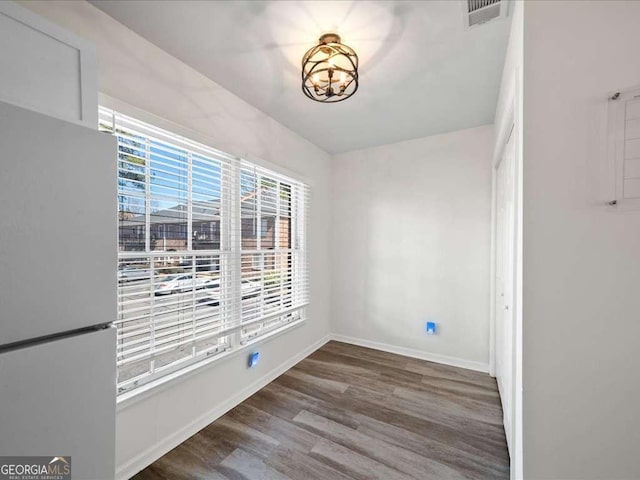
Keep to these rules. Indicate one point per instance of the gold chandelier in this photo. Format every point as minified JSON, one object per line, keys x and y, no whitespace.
{"x":330,"y":70}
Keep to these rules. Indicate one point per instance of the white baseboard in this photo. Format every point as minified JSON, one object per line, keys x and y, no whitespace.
{"x":412,"y":352}
{"x":156,"y":451}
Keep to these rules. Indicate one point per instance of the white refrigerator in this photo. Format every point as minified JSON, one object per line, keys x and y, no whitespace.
{"x":58,"y":247}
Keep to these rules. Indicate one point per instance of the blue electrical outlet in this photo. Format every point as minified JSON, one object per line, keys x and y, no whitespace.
{"x":431,"y":328}
{"x":253,"y":359}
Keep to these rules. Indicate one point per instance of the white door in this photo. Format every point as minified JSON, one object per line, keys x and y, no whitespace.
{"x":505,"y":263}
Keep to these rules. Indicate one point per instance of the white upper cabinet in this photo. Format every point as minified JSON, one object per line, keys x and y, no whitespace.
{"x":46,"y":68}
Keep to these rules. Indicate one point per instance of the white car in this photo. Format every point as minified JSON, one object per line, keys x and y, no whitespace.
{"x":131,"y":273}
{"x":213,"y":295}
{"x":181,"y":282}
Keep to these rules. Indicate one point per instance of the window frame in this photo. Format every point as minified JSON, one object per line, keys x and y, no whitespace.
{"x":233,"y":338}
{"x":617,"y":140}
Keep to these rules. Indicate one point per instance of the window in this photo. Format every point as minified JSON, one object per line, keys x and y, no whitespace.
{"x":624,"y":148}
{"x":273,"y":261}
{"x":193,"y":222}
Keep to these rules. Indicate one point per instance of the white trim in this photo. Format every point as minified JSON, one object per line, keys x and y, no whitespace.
{"x":492,"y":277}
{"x":150,"y":455}
{"x":414,"y":353}
{"x":125,"y":400}
{"x":507,"y":129}
{"x":517,"y":458}
{"x":510,"y":129}
{"x":278,"y":169}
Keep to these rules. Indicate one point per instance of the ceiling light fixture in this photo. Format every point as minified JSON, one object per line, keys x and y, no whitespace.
{"x":330,"y":70}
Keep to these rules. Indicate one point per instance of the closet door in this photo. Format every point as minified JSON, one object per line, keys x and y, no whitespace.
{"x":505,"y":268}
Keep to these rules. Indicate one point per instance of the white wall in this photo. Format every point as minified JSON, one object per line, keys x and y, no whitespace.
{"x":581,"y":260}
{"x":138,"y":73}
{"x":411,"y":243}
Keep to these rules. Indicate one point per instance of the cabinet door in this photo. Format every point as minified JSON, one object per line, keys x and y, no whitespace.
{"x":47,"y":68}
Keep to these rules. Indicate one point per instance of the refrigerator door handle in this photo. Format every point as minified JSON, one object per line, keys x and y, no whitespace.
{"x":56,"y":336}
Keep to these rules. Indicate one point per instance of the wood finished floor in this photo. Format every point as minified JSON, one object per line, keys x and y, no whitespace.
{"x":348,"y":412}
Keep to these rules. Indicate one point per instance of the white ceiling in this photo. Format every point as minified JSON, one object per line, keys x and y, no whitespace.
{"x":421,"y":73}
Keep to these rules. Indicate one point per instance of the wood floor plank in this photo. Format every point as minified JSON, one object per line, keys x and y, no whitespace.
{"x":339,"y":360}
{"x":475,"y":464}
{"x":351,"y":376}
{"x":353,"y":464}
{"x":394,"y":412}
{"x":329,"y":385}
{"x":391,"y":455}
{"x":446,"y":371}
{"x":304,"y":467}
{"x":297,"y":400}
{"x":351,"y":413}
{"x":455,"y":406}
{"x":287,"y":434}
{"x":385,"y":359}
{"x":197,"y":456}
{"x":243,"y":465}
{"x":485,"y":393}
{"x":193,"y":459}
{"x":251,"y":439}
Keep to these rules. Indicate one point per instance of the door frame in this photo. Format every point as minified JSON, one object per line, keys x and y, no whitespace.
{"x":504,"y":281}
{"x":511,"y":125}
{"x":503,"y":138}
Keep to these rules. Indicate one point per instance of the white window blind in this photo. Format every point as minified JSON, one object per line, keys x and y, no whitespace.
{"x":274,"y":273}
{"x":185,"y":294}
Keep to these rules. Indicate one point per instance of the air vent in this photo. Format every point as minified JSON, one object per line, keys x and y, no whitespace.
{"x":482,"y":11}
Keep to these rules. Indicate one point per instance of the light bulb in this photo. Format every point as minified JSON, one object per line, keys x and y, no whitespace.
{"x":343,"y":78}
{"x":316,"y":79}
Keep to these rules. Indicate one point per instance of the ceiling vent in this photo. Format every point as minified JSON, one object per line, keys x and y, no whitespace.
{"x":482,"y":11}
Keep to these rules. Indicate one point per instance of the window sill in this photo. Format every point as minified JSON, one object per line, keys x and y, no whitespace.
{"x":150,"y":389}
